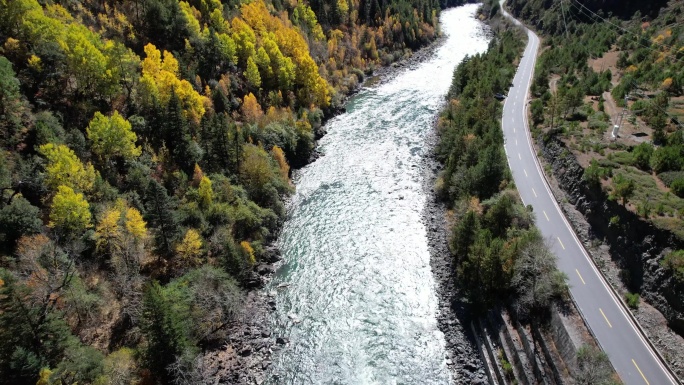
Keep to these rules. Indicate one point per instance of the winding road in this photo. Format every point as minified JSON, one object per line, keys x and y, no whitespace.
{"x":617,"y":333}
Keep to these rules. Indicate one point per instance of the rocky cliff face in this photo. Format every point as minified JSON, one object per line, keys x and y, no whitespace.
{"x":635,"y":245}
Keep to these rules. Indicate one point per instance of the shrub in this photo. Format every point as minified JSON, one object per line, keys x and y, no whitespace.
{"x":666,"y":159}
{"x":675,"y":263}
{"x":670,"y":176}
{"x":641,"y":156}
{"x":632,"y":300}
{"x":678,"y":187}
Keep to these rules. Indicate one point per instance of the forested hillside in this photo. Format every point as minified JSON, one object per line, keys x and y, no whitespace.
{"x":145,"y":149}
{"x":596,"y":65}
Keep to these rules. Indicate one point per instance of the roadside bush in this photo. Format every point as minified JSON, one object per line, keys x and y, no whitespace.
{"x":593,"y":367}
{"x":632,"y":300}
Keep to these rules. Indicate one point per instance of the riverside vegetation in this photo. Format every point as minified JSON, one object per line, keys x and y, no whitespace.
{"x":145,"y":154}
{"x":501,"y":258}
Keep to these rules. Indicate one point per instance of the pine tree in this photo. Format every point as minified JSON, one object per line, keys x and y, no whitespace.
{"x":177,"y":135}
{"x":159,"y":213}
{"x":165,"y":330}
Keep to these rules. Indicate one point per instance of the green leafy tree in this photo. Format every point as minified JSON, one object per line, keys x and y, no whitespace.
{"x":464,"y":234}
{"x":623,"y":187}
{"x":642,"y":156}
{"x":536,"y":280}
{"x":252,"y":73}
{"x":668,"y":158}
{"x":17,"y":219}
{"x":677,"y":187}
{"x":256,"y":170}
{"x":177,"y":135}
{"x":13,"y":109}
{"x":594,"y":173}
{"x":674,"y":261}
{"x":112,"y":136}
{"x":65,"y":169}
{"x":214,"y":301}
{"x":537,"y":109}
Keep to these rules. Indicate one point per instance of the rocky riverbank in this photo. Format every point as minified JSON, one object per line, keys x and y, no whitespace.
{"x":453,"y":315}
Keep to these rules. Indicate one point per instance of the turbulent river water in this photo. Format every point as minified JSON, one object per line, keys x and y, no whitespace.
{"x":355,"y":295}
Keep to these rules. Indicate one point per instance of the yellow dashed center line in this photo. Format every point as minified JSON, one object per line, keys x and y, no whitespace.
{"x":640,"y":372}
{"x":525,"y":171}
{"x":547,"y":217}
{"x":606,"y":318}
{"x":561,"y":243}
{"x":580,"y":275}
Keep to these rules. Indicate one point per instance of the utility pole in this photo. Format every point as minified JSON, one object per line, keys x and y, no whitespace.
{"x":618,"y":120}
{"x":564,"y":22}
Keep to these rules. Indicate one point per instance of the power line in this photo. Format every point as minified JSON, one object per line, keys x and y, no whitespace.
{"x":581,"y":8}
{"x":672,"y":119}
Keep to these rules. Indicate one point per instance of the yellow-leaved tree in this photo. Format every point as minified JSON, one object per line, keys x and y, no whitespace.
{"x":190,"y":248}
{"x":205,"y":192}
{"x":287,"y":50}
{"x":251,"y":110}
{"x":135,"y":225}
{"x":160,"y":77}
{"x":70,"y":212}
{"x":249,"y":251}
{"x":197,"y":175}
{"x":108,"y":233}
{"x":279,"y":156}
{"x":65,"y":169}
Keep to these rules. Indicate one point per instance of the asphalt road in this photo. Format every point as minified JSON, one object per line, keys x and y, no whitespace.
{"x":630,"y":354}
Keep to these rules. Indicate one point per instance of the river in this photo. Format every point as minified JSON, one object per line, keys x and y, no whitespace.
{"x":355,"y":295}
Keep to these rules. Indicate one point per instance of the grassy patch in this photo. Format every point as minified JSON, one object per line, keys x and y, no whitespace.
{"x":666,"y":209}
{"x":621,"y":157}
